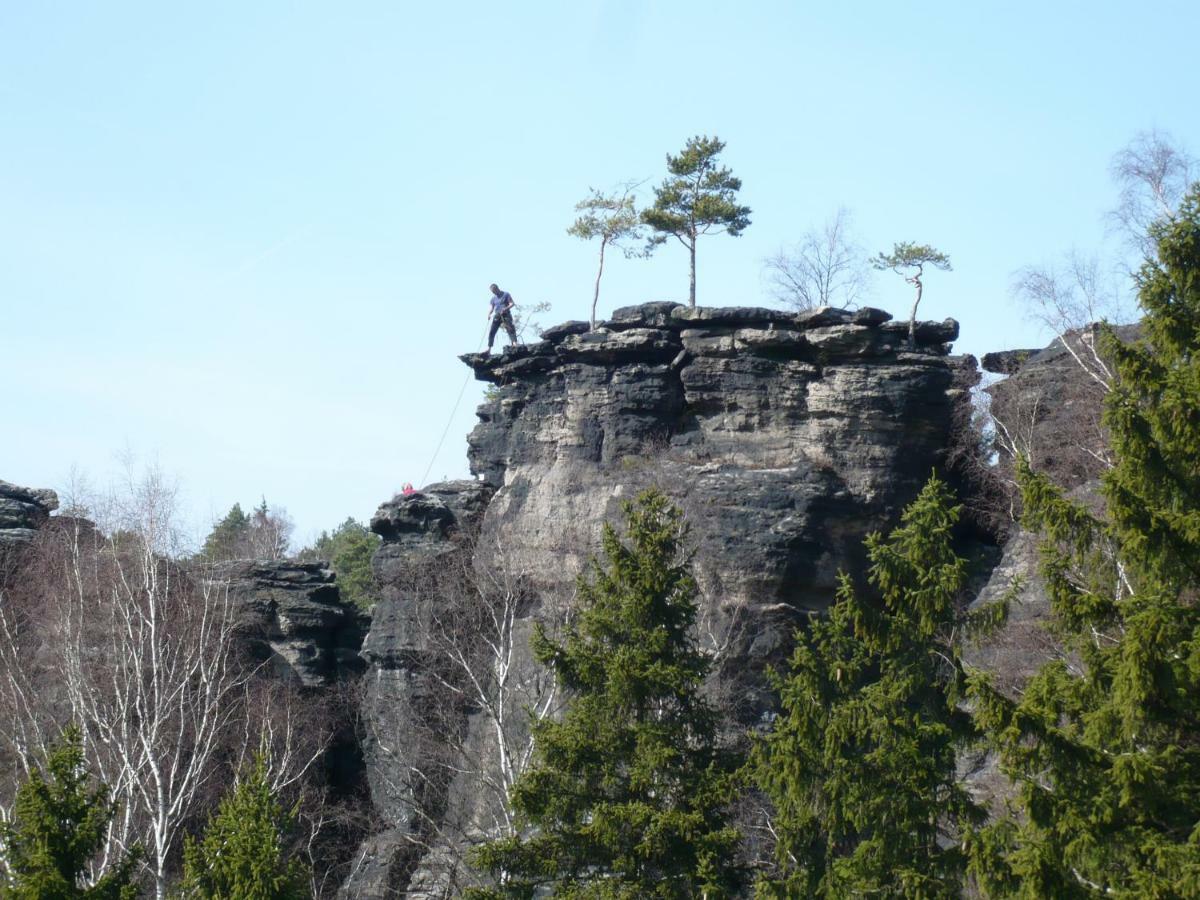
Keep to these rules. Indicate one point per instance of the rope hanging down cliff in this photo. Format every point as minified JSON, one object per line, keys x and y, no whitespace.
{"x":450,"y":421}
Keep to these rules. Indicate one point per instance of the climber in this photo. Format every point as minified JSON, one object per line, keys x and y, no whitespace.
{"x":500,"y":312}
{"x":408,"y":490}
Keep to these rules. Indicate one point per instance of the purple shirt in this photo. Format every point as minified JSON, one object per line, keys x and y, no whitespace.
{"x":501,"y":301}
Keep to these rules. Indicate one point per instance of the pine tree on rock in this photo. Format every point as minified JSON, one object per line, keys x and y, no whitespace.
{"x":698,"y":198}
{"x":626,"y":793}
{"x":241,"y":856}
{"x":1105,"y":743}
{"x":860,"y":765}
{"x":58,"y":827}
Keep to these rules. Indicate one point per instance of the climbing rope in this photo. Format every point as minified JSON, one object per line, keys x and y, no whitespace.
{"x":450,"y":421}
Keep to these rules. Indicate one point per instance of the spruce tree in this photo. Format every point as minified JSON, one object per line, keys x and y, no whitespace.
{"x":228,"y":537}
{"x":59,"y":824}
{"x":241,"y":855}
{"x":626,"y":793}
{"x":1104,"y":744}
{"x":860,"y":765}
{"x":348,"y":550}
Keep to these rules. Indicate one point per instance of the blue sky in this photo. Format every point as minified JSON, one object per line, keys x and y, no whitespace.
{"x":248,"y":240}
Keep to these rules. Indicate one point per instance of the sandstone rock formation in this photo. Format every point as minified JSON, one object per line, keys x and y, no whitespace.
{"x":1049,"y":407}
{"x":292,"y":617}
{"x":785,"y":437}
{"x":22,"y":511}
{"x":403,"y":704}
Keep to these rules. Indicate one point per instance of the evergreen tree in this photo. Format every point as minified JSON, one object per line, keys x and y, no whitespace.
{"x":698,"y":198}
{"x":614,"y":219}
{"x":625,"y":796}
{"x":909,"y":259}
{"x":860,"y":763}
{"x":228,"y":537}
{"x":241,"y":855}
{"x":1104,"y":744}
{"x":58,"y":826}
{"x":349,"y":549}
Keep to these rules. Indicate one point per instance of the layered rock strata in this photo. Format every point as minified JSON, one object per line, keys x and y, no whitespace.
{"x":22,"y":511}
{"x":408,"y":722}
{"x":292,"y":617}
{"x":786,"y":437}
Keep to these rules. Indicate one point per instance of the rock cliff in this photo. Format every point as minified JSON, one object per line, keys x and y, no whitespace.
{"x":785,"y":437}
{"x":22,"y":511}
{"x":292,"y":617}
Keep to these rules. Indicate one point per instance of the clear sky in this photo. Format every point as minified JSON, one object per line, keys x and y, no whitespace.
{"x":248,"y":240}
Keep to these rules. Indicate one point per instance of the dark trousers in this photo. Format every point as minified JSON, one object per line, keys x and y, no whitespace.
{"x":505,"y":318}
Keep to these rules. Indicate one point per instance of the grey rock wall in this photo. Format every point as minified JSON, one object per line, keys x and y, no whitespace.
{"x":22,"y":511}
{"x":404,"y":709}
{"x":785,"y":437}
{"x":292,"y":617}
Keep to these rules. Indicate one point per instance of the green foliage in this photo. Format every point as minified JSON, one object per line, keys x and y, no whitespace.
{"x":264,"y":534}
{"x":861,"y":763}
{"x":614,"y":219}
{"x":241,"y":855}
{"x":906,"y":256}
{"x":58,"y":827}
{"x":1105,"y":743}
{"x":698,"y":198}
{"x":909,"y":259}
{"x":349,"y":550}
{"x":626,"y":793}
{"x":228,"y":536}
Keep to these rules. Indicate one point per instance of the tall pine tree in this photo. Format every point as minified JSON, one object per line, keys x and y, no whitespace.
{"x":59,"y":825}
{"x":860,"y":765}
{"x":626,"y":794}
{"x":241,"y":855}
{"x":1105,"y":743}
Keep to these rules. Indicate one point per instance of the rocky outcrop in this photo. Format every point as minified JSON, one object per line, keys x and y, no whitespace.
{"x":22,"y":512}
{"x":408,"y":719}
{"x":1049,"y":408}
{"x":786,"y":437}
{"x":292,"y":618}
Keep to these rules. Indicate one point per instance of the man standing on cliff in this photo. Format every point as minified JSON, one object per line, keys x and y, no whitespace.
{"x":500,"y":312}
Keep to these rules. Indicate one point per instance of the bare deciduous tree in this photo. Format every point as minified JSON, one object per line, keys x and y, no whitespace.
{"x":1153,"y":173}
{"x":1069,"y":300}
{"x":104,"y":628}
{"x":827,"y":267}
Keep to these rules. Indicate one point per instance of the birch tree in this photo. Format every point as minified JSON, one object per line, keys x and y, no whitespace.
{"x":106,"y":630}
{"x":826,"y":268}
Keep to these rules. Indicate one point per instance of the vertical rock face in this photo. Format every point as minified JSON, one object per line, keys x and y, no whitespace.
{"x":292,"y":617}
{"x":402,"y":706}
{"x":785,"y":438}
{"x":22,"y":511}
{"x":1049,"y":407}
